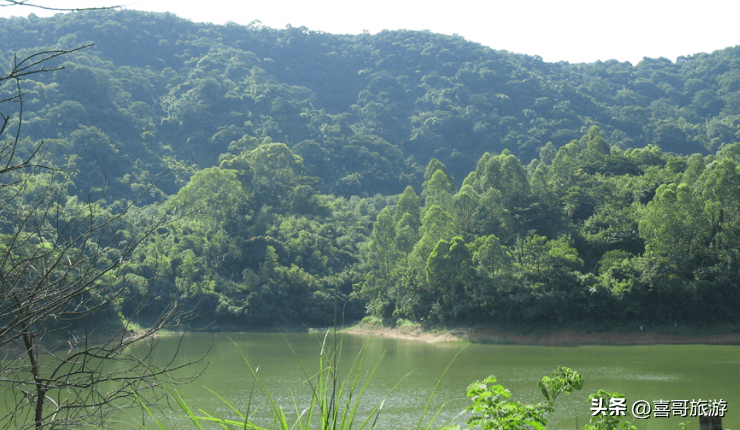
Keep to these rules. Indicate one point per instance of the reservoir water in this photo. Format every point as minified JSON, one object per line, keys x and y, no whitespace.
{"x":642,"y":373}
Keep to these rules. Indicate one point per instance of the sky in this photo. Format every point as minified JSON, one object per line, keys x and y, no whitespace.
{"x":557,"y":30}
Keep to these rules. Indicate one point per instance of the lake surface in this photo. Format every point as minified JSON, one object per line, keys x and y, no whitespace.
{"x":661,"y":372}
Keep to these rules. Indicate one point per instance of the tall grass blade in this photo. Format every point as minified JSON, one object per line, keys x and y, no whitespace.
{"x":376,"y":411}
{"x":149,"y":412}
{"x":278,"y":414}
{"x":226,"y":402}
{"x":335,"y":400}
{"x":429,"y":401}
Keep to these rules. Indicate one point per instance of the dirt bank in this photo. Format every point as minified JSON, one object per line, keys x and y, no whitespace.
{"x":546,"y":337}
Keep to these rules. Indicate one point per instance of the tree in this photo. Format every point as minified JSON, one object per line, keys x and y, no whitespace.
{"x":465,"y":205}
{"x":720,"y":194}
{"x":504,"y":173}
{"x":408,"y":204}
{"x":673,"y":226}
{"x":449,"y":273}
{"x":491,"y":256}
{"x":435,"y":226}
{"x":68,"y":359}
{"x":438,"y":188}
{"x":381,"y":257}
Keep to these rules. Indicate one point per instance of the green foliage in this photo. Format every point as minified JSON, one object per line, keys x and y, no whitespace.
{"x":438,"y":191}
{"x":504,"y":173}
{"x":449,"y":273}
{"x":186,"y":91}
{"x":381,"y":258}
{"x":490,"y":255}
{"x":305,"y":149}
{"x":492,"y":410}
{"x":408,"y":210}
{"x":673,"y":225}
{"x":535,"y":254}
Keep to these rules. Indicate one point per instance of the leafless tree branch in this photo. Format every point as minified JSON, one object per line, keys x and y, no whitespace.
{"x":27,"y":66}
{"x":62,"y":266}
{"x":28,"y":3}
{"x":55,"y":274}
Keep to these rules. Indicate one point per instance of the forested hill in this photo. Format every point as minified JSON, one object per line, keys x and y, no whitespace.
{"x":366,"y":112}
{"x":404,"y":174}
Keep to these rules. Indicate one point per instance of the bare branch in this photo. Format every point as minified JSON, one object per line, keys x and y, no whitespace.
{"x":53,"y":278}
{"x":28,"y":3}
{"x":29,"y":65}
{"x":61,"y":265}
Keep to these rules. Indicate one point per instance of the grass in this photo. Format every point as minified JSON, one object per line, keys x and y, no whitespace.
{"x":335,"y":402}
{"x":372,"y":320}
{"x":401,"y":322}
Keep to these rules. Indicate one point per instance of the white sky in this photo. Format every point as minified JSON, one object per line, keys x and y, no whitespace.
{"x":557,"y":30}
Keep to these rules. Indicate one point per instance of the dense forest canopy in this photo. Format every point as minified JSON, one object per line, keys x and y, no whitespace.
{"x":406,"y":174}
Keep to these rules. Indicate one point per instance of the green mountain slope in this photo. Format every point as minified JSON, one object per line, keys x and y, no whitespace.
{"x":409,"y":174}
{"x":366,"y":112}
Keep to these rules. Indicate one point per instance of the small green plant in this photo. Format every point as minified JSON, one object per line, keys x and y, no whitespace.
{"x":493,"y":411}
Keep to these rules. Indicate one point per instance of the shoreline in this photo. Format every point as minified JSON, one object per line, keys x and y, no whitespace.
{"x":59,"y":343}
{"x":540,"y":337}
{"x":532,"y":336}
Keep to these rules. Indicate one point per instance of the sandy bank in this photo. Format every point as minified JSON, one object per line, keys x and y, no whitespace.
{"x":566,"y":337}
